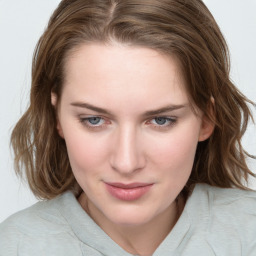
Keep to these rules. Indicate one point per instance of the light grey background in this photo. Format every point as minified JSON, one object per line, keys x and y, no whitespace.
{"x":21,"y":24}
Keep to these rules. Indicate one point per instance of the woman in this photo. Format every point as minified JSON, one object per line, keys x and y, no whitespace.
{"x":133,"y":135}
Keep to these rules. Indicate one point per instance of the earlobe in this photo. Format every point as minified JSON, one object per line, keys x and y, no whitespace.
{"x":54,"y":101}
{"x":59,"y":129}
{"x":207,"y":128}
{"x":208,"y":124}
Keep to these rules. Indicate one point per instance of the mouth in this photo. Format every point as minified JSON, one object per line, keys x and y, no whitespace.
{"x":128,"y":192}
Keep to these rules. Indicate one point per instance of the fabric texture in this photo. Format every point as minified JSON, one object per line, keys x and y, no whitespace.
{"x":214,"y":222}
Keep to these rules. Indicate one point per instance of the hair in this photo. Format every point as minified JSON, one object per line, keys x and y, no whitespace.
{"x":181,"y":28}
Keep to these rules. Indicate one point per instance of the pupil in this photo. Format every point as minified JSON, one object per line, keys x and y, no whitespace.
{"x":94,"y":120}
{"x":160,"y":120}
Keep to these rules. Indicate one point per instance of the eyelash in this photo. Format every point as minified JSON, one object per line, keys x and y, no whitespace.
{"x":85,"y":121}
{"x":170,"y":122}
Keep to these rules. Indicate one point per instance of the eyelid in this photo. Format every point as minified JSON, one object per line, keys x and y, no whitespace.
{"x":172,"y":120}
{"x":84,"y":121}
{"x":89,"y":119}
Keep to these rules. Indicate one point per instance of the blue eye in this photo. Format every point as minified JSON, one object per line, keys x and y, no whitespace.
{"x":161,"y":120}
{"x":95,"y":120}
{"x":92,"y":122}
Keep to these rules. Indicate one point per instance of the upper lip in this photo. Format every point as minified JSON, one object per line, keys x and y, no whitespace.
{"x":129,"y":185}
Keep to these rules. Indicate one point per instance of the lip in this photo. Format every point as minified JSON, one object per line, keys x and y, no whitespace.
{"x":128,"y":192}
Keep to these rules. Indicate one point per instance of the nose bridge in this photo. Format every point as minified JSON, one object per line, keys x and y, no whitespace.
{"x":127,"y":156}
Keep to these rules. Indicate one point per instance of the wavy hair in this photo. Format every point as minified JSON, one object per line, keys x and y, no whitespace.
{"x":181,"y":28}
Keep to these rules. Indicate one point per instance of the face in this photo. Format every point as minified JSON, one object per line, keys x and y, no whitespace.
{"x":130,"y":132}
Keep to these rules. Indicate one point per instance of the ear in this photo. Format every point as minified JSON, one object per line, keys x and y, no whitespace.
{"x":207,"y":128}
{"x":54,"y":101}
{"x":207,"y":125}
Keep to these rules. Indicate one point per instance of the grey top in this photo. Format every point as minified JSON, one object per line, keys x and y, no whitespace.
{"x":214,"y":222}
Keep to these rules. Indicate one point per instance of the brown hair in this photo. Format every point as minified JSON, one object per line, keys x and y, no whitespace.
{"x":181,"y":28}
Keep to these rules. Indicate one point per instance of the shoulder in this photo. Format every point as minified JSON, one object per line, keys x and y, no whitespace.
{"x":227,"y":216}
{"x":227,"y":199}
{"x":36,"y":223}
{"x":44,"y":216}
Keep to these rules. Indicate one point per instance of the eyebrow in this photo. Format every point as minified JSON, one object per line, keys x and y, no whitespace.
{"x":91,"y":107}
{"x":164,"y":109}
{"x":147,"y":113}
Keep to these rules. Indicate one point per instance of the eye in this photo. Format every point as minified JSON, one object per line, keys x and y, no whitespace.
{"x":95,"y":120}
{"x":162,"y":121}
{"x":92,"y":121}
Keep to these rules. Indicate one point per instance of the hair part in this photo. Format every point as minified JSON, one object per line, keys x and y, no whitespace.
{"x":181,"y":28}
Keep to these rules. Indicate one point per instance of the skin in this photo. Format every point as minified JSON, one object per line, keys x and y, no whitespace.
{"x":124,"y":142}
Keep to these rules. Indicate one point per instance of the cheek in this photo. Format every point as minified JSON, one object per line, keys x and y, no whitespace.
{"x":176,"y":151}
{"x":184,"y":150}
{"x":84,"y":151}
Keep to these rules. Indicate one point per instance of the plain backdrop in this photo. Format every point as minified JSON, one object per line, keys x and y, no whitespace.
{"x":21,"y":24}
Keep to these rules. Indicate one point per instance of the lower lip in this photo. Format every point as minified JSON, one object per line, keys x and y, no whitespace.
{"x":128,"y":194}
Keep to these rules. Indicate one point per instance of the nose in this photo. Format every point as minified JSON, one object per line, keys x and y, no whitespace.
{"x":127,"y":155}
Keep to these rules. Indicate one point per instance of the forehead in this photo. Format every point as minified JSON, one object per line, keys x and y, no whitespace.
{"x":118,"y":73}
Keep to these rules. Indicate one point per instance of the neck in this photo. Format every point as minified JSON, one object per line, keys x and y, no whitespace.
{"x":142,"y":239}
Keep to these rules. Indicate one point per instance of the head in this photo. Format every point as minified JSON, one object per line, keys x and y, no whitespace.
{"x":183,"y":31}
